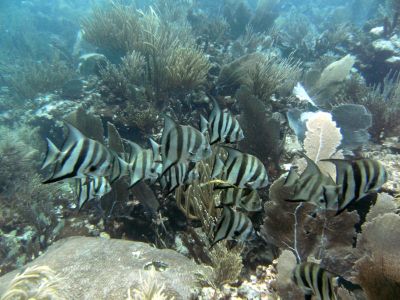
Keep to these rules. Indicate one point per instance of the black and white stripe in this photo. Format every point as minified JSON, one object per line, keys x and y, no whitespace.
{"x":313,"y":186}
{"x":245,"y":199}
{"x":91,"y":188}
{"x":80,"y":157}
{"x":314,"y":281}
{"x":233,"y":225}
{"x":141,"y":164}
{"x":357,"y":178}
{"x":177,"y":175}
{"x":241,"y":170}
{"x":182,"y":144}
{"x":222,"y":126}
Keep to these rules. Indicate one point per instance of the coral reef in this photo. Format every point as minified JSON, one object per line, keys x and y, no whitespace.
{"x":120,"y":66}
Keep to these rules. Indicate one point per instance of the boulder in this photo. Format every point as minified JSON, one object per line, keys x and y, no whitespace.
{"x":98,"y":268}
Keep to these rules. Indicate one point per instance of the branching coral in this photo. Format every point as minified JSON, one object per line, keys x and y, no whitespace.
{"x":149,"y":289}
{"x":122,"y":79}
{"x":259,"y":127}
{"x":167,"y":49}
{"x":31,"y":78}
{"x":270,"y":74}
{"x":384,"y":103}
{"x":112,"y":29}
{"x":198,"y":202}
{"x":379,"y":268}
{"x":295,"y":226}
{"x":187,"y":68}
{"x":17,"y":160}
{"x":263,"y":74}
{"x":37,"y":282}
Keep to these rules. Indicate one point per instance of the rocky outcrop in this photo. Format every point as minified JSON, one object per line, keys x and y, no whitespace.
{"x":98,"y":268}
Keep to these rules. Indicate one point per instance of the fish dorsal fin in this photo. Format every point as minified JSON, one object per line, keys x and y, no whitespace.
{"x":74,"y":135}
{"x":232,"y":152}
{"x":51,"y":154}
{"x":215,"y":103}
{"x":156,"y":150}
{"x":134,"y":149}
{"x":203,"y":124}
{"x":312,"y":167}
{"x":291,"y":178}
{"x":169,"y":124}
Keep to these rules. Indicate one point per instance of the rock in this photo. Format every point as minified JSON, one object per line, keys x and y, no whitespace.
{"x":393,"y":60}
{"x":378,"y":31}
{"x":386,"y":46}
{"x":98,"y":268}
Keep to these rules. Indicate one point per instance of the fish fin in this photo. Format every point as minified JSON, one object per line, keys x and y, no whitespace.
{"x":73,"y":135}
{"x":156,"y":150}
{"x":134,"y":149}
{"x":51,"y":154}
{"x":203,"y":124}
{"x":232,"y":152}
{"x":217,"y":168}
{"x":134,"y":180}
{"x":169,"y":124}
{"x":291,"y":178}
{"x":312,"y":167}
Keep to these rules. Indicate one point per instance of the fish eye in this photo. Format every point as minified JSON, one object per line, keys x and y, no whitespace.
{"x":92,"y":168}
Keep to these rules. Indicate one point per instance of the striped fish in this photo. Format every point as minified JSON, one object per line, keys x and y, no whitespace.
{"x":142,"y":164}
{"x":233,"y":225}
{"x":177,"y":175}
{"x":80,"y":157}
{"x":357,"y":178}
{"x":91,"y":188}
{"x":315,"y":281}
{"x":313,"y":186}
{"x":241,"y":170}
{"x":182,"y":144}
{"x":222,"y":126}
{"x":245,"y":199}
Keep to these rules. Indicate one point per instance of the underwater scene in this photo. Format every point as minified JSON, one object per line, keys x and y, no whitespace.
{"x":183,"y":149}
